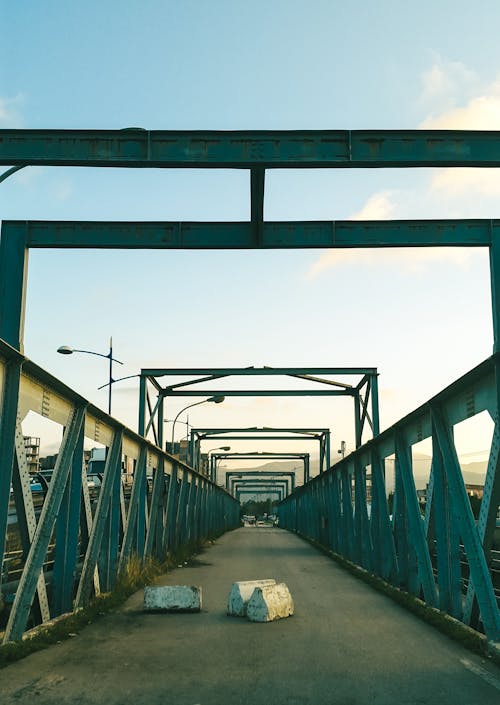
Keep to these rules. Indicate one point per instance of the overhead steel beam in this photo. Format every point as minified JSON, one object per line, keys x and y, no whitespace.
{"x":266,"y":473}
{"x":262,"y":438}
{"x":262,"y":393}
{"x":256,"y":371}
{"x":260,"y":456}
{"x":135,"y":147}
{"x":241,"y":235}
{"x":205,"y":432}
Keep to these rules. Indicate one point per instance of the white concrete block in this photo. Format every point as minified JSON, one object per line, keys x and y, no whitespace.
{"x":241,"y":592}
{"x":172,"y":598}
{"x":270,"y":602}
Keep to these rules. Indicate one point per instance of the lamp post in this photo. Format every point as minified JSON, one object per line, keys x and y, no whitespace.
{"x":216,"y":400}
{"x":184,"y":423}
{"x":226,"y":448}
{"x":66,"y":350}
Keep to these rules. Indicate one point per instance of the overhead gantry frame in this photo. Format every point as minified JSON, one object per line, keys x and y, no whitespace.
{"x":322,"y":435}
{"x":233,"y":475}
{"x":363,"y":392}
{"x":261,"y":488}
{"x":304,"y":457}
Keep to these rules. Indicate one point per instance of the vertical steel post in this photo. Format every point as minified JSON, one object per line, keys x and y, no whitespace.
{"x":142,"y":405}
{"x":375,"y":405}
{"x":495,"y":288}
{"x":479,"y":572}
{"x":160,"y":416}
{"x":13,"y":276}
{"x":131,"y":538}
{"x":33,"y":566}
{"x":418,"y":541}
{"x":67,"y":528}
{"x":171,"y":510}
{"x":112,"y":466}
{"x":8,"y":417}
{"x":108,"y":553}
{"x":155,"y":510}
{"x":447,"y":538}
{"x":357,"y":418}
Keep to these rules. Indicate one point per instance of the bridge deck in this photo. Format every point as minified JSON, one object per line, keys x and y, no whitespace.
{"x":345,"y":644}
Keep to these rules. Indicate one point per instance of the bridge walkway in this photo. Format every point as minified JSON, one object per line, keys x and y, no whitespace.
{"x":346,"y":644}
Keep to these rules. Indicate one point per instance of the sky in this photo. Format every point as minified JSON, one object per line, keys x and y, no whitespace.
{"x":421,"y":317}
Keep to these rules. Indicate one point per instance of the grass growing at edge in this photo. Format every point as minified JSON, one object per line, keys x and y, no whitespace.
{"x":137,"y":574}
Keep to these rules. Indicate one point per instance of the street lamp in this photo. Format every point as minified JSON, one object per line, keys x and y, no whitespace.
{"x":184,"y":423}
{"x":66,"y":350}
{"x":216,"y":400}
{"x":210,"y":451}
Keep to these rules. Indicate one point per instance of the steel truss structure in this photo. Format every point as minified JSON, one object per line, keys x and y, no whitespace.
{"x":233,"y":476}
{"x":261,"y":488}
{"x":401,"y":550}
{"x":303,"y":457}
{"x":362,"y":393}
{"x":168,"y":503}
{"x":442,"y":557}
{"x":322,"y":435}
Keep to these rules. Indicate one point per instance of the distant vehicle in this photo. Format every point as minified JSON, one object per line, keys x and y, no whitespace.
{"x":94,"y":480}
{"x":249,"y":519}
{"x":35,"y":485}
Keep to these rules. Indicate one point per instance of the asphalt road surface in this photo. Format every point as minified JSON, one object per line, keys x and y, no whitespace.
{"x":346,"y":644}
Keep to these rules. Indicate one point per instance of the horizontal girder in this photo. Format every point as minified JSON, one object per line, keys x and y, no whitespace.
{"x":202,"y":432}
{"x":263,"y":371}
{"x":249,"y":473}
{"x":241,"y":235}
{"x":135,"y":147}
{"x":231,"y":437}
{"x":263,"y":393}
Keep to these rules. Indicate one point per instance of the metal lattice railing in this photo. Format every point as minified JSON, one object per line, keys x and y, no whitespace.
{"x":75,"y":545}
{"x":444,"y":556}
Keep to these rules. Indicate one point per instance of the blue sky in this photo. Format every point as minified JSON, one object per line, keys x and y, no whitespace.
{"x":421,"y":318}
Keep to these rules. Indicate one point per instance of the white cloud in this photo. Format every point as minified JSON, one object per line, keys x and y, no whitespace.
{"x":454,"y":99}
{"x":382,"y":206}
{"x":10,"y":116}
{"x":455,"y":183}
{"x":481,"y":112}
{"x":445,"y":83}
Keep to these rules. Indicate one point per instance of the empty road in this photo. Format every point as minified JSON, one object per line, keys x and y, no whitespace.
{"x":346,"y":644}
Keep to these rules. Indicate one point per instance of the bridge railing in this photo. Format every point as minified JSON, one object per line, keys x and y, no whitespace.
{"x":78,"y":542}
{"x":443,"y":555}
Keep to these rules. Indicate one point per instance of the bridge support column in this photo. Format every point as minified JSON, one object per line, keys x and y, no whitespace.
{"x":13,"y":275}
{"x":8,"y":417}
{"x":495,"y":289}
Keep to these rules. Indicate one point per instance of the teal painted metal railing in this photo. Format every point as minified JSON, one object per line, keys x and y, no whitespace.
{"x":170,"y":504}
{"x":443,"y":556}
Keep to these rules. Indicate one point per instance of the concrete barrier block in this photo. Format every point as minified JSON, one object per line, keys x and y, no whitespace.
{"x":241,"y":592}
{"x":172,"y":598}
{"x":270,"y":602}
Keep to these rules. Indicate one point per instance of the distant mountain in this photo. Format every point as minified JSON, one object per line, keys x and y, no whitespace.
{"x":473,"y":473}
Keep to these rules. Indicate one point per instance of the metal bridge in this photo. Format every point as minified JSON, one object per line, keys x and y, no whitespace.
{"x":77,"y":545}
